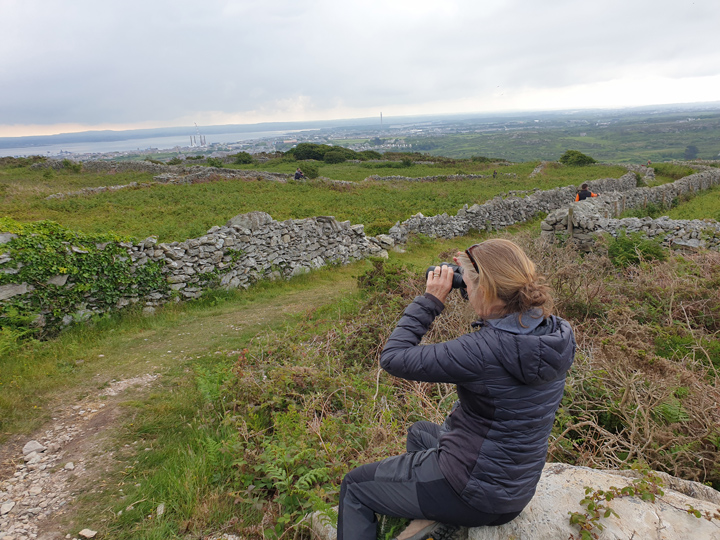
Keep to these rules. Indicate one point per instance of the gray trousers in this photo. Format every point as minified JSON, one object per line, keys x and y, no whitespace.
{"x":410,"y":485}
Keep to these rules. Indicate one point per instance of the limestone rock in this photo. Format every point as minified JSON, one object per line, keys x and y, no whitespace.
{"x":6,"y":237}
{"x":563,"y":486}
{"x":251,"y":220}
{"x":8,"y":291}
{"x":87,"y":533}
{"x":58,"y":280}
{"x":32,"y":446}
{"x":6,"y":507}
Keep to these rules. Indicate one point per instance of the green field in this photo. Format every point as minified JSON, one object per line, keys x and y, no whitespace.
{"x":178,"y":212}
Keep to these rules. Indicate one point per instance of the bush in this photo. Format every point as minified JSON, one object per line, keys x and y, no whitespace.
{"x":334,"y":156}
{"x":71,"y":166}
{"x":215,"y":162}
{"x":407,"y":162}
{"x":628,"y":250}
{"x":311,"y":170}
{"x":370,"y":154}
{"x":243,"y":158}
{"x":175,"y":161}
{"x":576,"y":159}
{"x":305,"y":151}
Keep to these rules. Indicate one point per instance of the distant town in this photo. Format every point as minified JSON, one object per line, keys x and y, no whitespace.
{"x":662,"y":133}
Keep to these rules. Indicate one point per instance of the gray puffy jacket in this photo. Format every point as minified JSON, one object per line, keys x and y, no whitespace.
{"x":493,"y":445}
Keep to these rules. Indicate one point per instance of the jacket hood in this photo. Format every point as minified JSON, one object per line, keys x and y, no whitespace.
{"x":537,"y":359}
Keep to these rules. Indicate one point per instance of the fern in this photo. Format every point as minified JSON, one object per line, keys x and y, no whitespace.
{"x":671,"y":411}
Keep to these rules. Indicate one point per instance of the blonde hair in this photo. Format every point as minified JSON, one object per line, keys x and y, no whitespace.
{"x":506,"y":273}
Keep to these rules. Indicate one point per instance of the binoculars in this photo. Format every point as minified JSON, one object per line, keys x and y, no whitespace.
{"x":457,"y":282}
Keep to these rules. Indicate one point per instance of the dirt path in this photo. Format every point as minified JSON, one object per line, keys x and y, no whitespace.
{"x":37,"y":489}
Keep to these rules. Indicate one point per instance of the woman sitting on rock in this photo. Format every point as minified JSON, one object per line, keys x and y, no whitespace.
{"x":482,"y":465}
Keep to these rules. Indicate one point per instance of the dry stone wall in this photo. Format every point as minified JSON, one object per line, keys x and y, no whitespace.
{"x":502,"y":211}
{"x":583,"y":221}
{"x":250,"y":247}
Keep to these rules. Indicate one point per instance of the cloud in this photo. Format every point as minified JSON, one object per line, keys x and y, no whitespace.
{"x":131,"y":62}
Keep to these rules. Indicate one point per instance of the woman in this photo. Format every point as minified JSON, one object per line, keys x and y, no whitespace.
{"x":482,"y":465}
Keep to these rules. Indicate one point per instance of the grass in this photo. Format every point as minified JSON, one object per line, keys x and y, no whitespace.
{"x":703,"y":205}
{"x":178,"y":212}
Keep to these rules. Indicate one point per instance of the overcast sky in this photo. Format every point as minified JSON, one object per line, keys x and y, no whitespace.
{"x":73,"y":65}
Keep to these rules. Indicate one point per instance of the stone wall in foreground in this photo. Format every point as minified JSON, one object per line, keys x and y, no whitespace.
{"x":583,"y":221}
{"x":249,"y":248}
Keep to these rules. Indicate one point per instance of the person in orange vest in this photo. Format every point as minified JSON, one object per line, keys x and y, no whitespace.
{"x":584,"y":193}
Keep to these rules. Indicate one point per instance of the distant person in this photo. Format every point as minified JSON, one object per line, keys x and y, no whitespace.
{"x":299,"y":174}
{"x":648,"y":163}
{"x":494,"y":174}
{"x":584,"y":193}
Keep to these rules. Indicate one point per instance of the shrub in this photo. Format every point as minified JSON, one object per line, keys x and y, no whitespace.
{"x":370,"y":154}
{"x":407,"y":162}
{"x":311,"y":170}
{"x":243,"y":158}
{"x":334,"y":156}
{"x":308,"y":151}
{"x":71,"y":166}
{"x":576,"y":159}
{"x":215,"y":162}
{"x":175,"y":161}
{"x":627,"y":250}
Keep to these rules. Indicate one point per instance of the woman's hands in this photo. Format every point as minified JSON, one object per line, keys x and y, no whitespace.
{"x":439,"y":282}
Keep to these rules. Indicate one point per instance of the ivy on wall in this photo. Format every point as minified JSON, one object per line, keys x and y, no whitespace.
{"x":68,"y":272}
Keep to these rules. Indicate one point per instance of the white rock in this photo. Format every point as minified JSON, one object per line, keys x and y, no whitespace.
{"x":32,"y":446}
{"x":562,"y":487}
{"x":160,"y":509}
{"x":87,"y":533}
{"x":6,"y":507}
{"x":69,"y":466}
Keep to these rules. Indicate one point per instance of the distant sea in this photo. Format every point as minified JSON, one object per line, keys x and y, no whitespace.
{"x":129,"y":145}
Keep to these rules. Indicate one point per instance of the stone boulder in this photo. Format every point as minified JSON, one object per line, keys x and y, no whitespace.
{"x":251,"y":220}
{"x":562,"y":487}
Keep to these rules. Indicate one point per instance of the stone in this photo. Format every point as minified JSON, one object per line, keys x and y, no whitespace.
{"x":70,"y":466}
{"x":8,"y":291}
{"x":6,"y":507}
{"x":58,"y":280}
{"x":561,"y":489}
{"x":6,"y":237}
{"x":251,"y":220}
{"x":32,"y":446}
{"x":88,"y":533}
